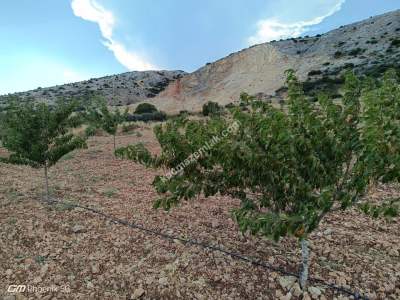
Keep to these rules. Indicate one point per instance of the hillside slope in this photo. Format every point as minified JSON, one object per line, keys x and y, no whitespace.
{"x":121,"y":89}
{"x":369,"y":46}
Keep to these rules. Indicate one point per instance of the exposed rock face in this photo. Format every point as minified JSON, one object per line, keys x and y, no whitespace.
{"x":121,"y":89}
{"x":254,"y":70}
{"x":371,"y":45}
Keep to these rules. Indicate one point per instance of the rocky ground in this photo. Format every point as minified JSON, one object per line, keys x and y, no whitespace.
{"x":85,"y":256}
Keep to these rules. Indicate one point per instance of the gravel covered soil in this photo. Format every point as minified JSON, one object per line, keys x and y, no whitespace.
{"x":82,"y":255}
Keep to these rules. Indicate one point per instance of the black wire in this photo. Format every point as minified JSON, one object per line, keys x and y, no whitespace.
{"x":356,"y":295}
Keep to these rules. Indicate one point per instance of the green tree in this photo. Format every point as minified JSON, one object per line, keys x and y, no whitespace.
{"x":99,"y":115}
{"x":211,"y":108}
{"x":289,"y":167}
{"x":145,"y":108}
{"x":38,"y":135}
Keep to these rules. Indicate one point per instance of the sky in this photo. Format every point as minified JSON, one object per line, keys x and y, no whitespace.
{"x":48,"y":42}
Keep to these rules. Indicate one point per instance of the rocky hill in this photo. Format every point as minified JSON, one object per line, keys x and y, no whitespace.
{"x":121,"y":89}
{"x":368,"y":47}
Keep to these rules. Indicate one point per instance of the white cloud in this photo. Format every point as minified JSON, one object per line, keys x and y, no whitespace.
{"x":274,"y":29}
{"x":130,"y":60}
{"x":92,"y":11}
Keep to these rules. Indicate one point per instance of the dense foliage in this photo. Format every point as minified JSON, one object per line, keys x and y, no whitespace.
{"x":143,"y":108}
{"x":146,"y":117}
{"x":290,"y":166}
{"x":38,"y":135}
{"x":211,"y":108}
{"x":288,"y":169}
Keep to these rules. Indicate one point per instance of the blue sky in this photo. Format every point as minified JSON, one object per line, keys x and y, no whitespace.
{"x":47,"y":42}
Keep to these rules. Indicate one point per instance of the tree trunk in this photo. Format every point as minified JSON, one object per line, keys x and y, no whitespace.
{"x":305,"y":261}
{"x":114,"y":144}
{"x":47,"y":182}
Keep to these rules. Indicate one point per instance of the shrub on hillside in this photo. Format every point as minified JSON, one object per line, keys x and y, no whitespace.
{"x":338,"y":54}
{"x":146,"y":117}
{"x":395,"y":43}
{"x":211,"y":108}
{"x":314,"y":72}
{"x":356,"y":51}
{"x":143,"y":108}
{"x":90,"y":131}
